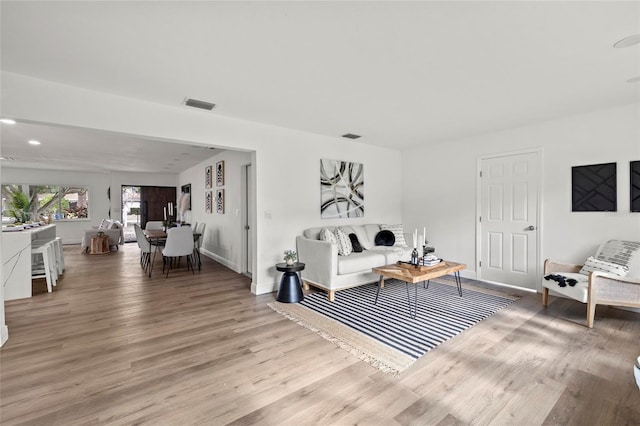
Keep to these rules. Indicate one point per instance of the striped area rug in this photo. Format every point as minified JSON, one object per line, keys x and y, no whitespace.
{"x":385,"y":334}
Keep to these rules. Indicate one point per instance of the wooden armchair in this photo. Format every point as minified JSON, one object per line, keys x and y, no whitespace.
{"x":597,"y":288}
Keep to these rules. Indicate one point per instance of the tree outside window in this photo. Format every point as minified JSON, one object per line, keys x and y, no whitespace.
{"x":41,"y":202}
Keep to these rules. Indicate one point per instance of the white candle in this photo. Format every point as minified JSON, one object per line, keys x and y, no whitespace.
{"x":165,"y":213}
{"x":415,"y":238}
{"x":424,"y":235}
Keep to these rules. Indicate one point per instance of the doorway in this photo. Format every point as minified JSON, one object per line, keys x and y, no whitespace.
{"x":508,"y":236}
{"x":248,"y":195}
{"x":141,"y":204}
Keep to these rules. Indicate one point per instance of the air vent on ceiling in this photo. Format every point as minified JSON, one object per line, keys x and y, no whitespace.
{"x":199,"y":104}
{"x":350,"y":136}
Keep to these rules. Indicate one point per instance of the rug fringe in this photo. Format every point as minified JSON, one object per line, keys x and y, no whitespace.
{"x":363,"y":356}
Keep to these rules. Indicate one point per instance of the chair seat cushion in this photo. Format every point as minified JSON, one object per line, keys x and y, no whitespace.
{"x":577,"y":292}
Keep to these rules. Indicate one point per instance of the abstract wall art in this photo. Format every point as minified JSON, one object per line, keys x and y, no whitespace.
{"x":220,"y":173}
{"x":208,"y":202}
{"x":593,"y":188}
{"x":208,"y":177}
{"x":634,"y":170}
{"x":220,"y":201}
{"x":341,"y":189}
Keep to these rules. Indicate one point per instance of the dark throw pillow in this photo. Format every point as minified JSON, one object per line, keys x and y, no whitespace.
{"x":385,"y":238}
{"x":357,"y":248}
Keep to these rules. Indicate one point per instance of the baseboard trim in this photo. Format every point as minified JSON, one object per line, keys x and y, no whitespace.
{"x":221,"y":260}
{"x":4,"y":334}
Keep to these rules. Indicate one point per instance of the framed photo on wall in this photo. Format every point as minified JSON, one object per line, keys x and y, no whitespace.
{"x":208,"y":177}
{"x":220,"y":201}
{"x":220,"y":173}
{"x":208,"y":202}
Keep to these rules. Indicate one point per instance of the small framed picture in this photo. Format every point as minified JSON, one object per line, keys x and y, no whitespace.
{"x":208,"y":177}
{"x":220,"y":201}
{"x":220,"y":173}
{"x":208,"y":201}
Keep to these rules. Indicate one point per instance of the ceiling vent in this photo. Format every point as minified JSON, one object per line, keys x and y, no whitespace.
{"x":199,"y":104}
{"x":350,"y":136}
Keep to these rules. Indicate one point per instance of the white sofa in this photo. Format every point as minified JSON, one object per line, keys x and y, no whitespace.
{"x":111,"y":228}
{"x":326,"y":270}
{"x":599,"y":287}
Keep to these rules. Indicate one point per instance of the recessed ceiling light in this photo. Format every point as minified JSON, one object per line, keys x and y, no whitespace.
{"x":627,"y":41}
{"x":635,"y":79}
{"x":7,"y":121}
{"x":34,"y":142}
{"x":350,"y":136}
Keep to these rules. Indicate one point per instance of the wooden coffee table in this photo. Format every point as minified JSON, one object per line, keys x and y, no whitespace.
{"x":413,"y":275}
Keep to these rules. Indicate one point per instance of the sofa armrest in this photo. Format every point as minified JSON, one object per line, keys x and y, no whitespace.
{"x":608,"y":287}
{"x":320,"y":259}
{"x":553,"y":266}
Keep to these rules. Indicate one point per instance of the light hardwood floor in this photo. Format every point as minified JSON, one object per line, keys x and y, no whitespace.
{"x":112,"y":346}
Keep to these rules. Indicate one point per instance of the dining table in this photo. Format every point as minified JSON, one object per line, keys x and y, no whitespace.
{"x":157,"y":237}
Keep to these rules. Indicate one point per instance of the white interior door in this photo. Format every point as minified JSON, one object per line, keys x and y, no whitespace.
{"x":509,"y":219}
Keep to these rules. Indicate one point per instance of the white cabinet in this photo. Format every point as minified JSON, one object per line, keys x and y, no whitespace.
{"x":16,"y":259}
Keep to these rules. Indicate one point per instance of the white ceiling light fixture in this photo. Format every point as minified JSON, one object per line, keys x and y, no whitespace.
{"x":627,"y":41}
{"x":34,"y":142}
{"x":7,"y":121}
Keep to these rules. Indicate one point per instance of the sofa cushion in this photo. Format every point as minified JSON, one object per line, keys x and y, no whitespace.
{"x":328,"y":236}
{"x":344,"y":243}
{"x":392,"y":254}
{"x":623,"y":253}
{"x":366,"y":235}
{"x":385,"y":238}
{"x":355,"y":244}
{"x":398,"y":232}
{"x":592,"y":264}
{"x":360,"y":262}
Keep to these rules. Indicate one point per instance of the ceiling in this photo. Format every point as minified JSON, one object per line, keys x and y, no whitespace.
{"x":400,"y":74}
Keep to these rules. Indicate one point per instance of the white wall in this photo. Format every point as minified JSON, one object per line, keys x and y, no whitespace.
{"x":72,"y":231}
{"x":286,"y":167}
{"x":447,"y":204}
{"x":223,"y":232}
{"x":4,"y":330}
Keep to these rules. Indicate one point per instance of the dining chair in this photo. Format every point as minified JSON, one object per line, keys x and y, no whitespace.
{"x":198,"y":242}
{"x":145,"y":249}
{"x":179,"y":243}
{"x":154,"y":224}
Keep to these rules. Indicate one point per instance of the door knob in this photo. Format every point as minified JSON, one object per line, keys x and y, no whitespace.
{"x":531,"y":228}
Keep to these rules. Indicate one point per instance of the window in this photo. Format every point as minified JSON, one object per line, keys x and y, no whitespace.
{"x":38,"y":202}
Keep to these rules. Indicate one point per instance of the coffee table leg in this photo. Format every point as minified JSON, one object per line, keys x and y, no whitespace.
{"x":425,"y":284}
{"x":380,"y":284}
{"x":413,"y":310}
{"x":458,"y":282}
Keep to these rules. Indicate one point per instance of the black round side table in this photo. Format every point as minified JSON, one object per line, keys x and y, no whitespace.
{"x":290,"y":290}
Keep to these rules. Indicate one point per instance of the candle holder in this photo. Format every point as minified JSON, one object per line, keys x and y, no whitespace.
{"x":414,"y":257}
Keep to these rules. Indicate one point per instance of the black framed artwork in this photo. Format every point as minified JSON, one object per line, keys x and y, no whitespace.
{"x":593,"y":188}
{"x":634,"y":171}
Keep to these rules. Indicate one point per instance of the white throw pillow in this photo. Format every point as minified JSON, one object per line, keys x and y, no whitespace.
{"x":345,"y":248}
{"x":398,"y":232}
{"x":328,"y":236}
{"x":592,"y":264}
